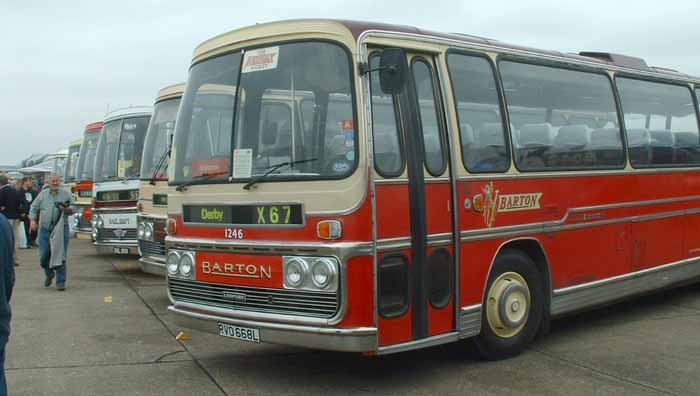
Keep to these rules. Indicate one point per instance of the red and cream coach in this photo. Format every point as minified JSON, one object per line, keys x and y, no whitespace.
{"x":83,"y":180}
{"x":154,"y":189}
{"x":423,"y":188}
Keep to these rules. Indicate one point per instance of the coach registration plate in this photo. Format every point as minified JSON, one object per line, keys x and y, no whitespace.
{"x":238,"y":332}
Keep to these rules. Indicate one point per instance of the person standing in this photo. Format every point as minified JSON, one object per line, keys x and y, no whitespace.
{"x":7,"y":282}
{"x":52,"y":207}
{"x":28,"y":193}
{"x":10,"y":207}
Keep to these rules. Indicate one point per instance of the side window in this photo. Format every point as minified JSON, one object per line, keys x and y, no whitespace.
{"x":578,"y":124}
{"x":481,"y":129}
{"x":388,"y":156}
{"x":428,"y":110}
{"x":661,"y":122}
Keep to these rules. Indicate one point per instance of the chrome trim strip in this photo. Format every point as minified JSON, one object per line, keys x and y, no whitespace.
{"x":235,"y":314}
{"x":360,"y":339}
{"x":558,"y":225}
{"x":469,"y":321}
{"x":441,"y":239}
{"x":343,"y":249}
{"x":567,"y":174}
{"x":115,"y":209}
{"x":418,"y":344}
{"x":391,"y":181}
{"x":595,"y":293}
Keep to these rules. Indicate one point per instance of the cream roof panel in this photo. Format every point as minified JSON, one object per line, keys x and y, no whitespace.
{"x":171,"y":92}
{"x":283,"y":30}
{"x":76,"y":142}
{"x":133,"y":111}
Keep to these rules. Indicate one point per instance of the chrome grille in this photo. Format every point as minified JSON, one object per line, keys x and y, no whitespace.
{"x":111,"y":234}
{"x":152,"y":248}
{"x":279,"y":301}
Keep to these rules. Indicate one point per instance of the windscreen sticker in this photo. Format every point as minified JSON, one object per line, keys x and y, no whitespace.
{"x":348,"y":125}
{"x":122,"y":166}
{"x":260,"y":59}
{"x":350,"y":156}
{"x":349,"y":139}
{"x":209,"y":167}
{"x":340,"y":166}
{"x":242,"y":163}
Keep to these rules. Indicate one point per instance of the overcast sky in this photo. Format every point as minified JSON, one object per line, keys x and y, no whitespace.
{"x":64,"y":63}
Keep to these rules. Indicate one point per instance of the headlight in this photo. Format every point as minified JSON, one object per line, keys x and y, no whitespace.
{"x":99,"y":223}
{"x":133,"y":195}
{"x":295,"y":272}
{"x":172,"y":263}
{"x":322,"y":273}
{"x":311,"y":273}
{"x":186,"y":265}
{"x":148,"y":231}
{"x":140,"y":230}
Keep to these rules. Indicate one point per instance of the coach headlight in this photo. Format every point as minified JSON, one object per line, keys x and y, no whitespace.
{"x":323,"y":273}
{"x":99,"y":223}
{"x":148,"y":231}
{"x":140,"y":230}
{"x":172,"y":263}
{"x":295,"y":271}
{"x":187,"y":265}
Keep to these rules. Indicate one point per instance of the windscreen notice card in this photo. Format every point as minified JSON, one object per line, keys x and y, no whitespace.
{"x":260,"y":59}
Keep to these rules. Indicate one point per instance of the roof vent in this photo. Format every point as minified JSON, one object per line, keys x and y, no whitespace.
{"x":618,"y":60}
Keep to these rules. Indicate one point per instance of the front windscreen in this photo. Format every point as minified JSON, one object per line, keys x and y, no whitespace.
{"x":119,"y":151}
{"x":285,"y":106}
{"x":86,"y":158}
{"x":71,"y":164}
{"x":158,"y":138}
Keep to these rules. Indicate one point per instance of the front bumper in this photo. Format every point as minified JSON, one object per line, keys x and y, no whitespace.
{"x":361,"y":339}
{"x":153,"y":265}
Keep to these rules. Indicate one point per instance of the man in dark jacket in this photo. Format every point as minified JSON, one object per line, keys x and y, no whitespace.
{"x":28,"y":194}
{"x":7,"y":282}
{"x":10,"y":206}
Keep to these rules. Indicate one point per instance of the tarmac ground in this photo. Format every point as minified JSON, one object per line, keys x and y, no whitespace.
{"x":109,"y":334}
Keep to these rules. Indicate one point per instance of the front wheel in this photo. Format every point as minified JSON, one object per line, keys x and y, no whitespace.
{"x":513,"y":306}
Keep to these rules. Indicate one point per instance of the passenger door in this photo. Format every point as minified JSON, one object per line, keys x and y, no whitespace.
{"x":413,"y":189}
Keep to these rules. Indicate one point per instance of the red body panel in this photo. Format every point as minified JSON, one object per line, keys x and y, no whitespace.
{"x":598,"y":249}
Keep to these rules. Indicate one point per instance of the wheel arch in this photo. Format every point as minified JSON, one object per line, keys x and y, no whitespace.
{"x":533,"y":248}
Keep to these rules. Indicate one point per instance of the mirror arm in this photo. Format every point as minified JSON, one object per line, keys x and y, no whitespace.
{"x":364,"y":68}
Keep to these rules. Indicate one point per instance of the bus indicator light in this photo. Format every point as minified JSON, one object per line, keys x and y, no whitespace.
{"x":329,"y":229}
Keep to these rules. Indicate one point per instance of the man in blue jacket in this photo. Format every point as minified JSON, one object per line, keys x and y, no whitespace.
{"x":7,"y":282}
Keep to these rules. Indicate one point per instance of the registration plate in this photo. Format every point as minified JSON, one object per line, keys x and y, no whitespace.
{"x":120,"y":250}
{"x":238,"y":332}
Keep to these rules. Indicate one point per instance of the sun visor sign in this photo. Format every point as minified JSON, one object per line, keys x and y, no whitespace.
{"x":265,"y":215}
{"x":260,"y":59}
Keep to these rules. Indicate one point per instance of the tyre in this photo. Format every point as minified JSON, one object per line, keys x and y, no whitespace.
{"x":513,"y":306}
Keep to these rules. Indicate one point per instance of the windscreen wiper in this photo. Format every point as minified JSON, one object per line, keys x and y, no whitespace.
{"x":126,"y":179}
{"x":195,"y":179}
{"x":160,"y":163}
{"x":273,"y":168}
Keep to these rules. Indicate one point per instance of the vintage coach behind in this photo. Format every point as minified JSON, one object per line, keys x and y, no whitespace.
{"x":116,"y":188}
{"x":154,"y":189}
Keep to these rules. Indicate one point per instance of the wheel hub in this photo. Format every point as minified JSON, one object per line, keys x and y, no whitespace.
{"x":508,"y":304}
